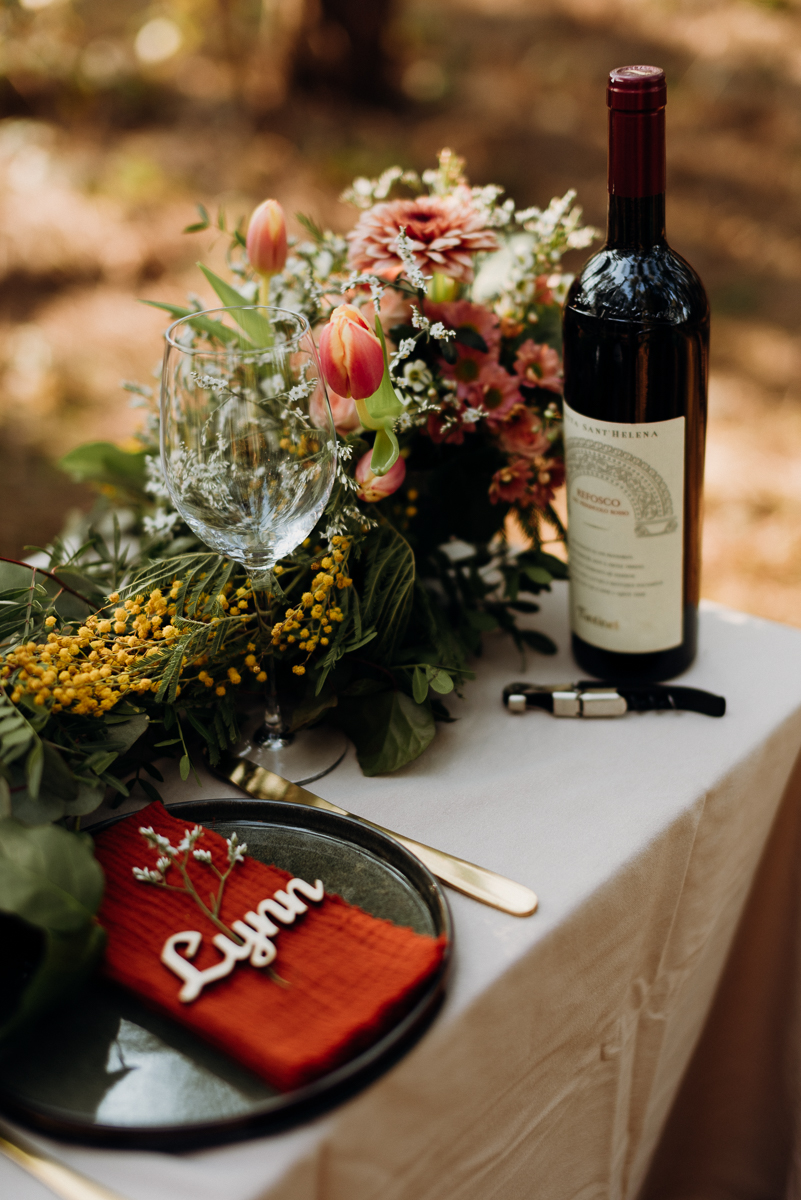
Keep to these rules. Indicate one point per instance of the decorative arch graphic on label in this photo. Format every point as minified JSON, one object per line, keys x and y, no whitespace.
{"x":647,"y":491}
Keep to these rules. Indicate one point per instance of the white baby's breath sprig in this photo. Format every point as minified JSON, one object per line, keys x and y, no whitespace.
{"x":403,"y":245}
{"x":178,"y":857}
{"x":377,"y":286}
{"x":405,"y":348}
{"x":236,"y":852}
{"x":364,"y":193}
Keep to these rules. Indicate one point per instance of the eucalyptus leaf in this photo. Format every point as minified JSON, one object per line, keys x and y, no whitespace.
{"x":50,"y":888}
{"x":89,"y":797}
{"x":388,"y":729}
{"x":48,"y":876}
{"x":126,"y":734}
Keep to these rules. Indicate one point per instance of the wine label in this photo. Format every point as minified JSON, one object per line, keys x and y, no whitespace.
{"x":625,"y":511}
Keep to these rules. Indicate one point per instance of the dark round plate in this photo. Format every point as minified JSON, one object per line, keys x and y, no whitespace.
{"x":107,"y":1071}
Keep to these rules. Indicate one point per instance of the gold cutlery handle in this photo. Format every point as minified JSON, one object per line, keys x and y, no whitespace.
{"x":61,"y":1180}
{"x":476,"y":882}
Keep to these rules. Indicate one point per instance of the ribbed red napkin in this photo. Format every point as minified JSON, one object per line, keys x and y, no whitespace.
{"x":349,"y":975}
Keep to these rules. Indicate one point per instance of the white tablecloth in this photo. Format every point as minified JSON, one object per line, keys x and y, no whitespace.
{"x":551,"y":1070}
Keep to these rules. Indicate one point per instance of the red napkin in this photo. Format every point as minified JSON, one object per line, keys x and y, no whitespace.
{"x":350,"y":975}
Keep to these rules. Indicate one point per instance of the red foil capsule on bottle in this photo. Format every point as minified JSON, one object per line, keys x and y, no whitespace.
{"x":636,"y":98}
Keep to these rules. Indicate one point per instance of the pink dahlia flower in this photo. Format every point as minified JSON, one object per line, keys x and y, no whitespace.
{"x":521,"y":434}
{"x":444,"y":232}
{"x":539,"y":366}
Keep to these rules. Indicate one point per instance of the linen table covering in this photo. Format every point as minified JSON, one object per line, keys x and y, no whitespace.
{"x":561,"y":1048}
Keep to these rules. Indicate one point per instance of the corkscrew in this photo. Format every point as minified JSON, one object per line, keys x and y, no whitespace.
{"x":597,"y":698}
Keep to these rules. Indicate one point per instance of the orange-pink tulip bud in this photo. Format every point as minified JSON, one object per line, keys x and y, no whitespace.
{"x":266,"y":240}
{"x":351,"y":354}
{"x":377,"y":487}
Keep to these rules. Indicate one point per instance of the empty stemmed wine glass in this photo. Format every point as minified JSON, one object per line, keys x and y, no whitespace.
{"x":249,"y":462}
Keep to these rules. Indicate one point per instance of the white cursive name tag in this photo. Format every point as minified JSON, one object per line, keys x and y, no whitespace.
{"x":255,"y":931}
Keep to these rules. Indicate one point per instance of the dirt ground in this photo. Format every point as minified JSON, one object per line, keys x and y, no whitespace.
{"x":92,"y":207}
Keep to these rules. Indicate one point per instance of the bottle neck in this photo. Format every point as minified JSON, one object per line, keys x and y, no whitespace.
{"x":636,"y":222}
{"x":636,"y":178}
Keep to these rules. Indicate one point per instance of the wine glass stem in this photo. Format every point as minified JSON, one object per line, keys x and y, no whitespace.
{"x":271,"y":733}
{"x":272,"y":712}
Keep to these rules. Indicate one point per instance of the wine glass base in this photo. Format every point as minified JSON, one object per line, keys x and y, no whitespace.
{"x":305,"y":756}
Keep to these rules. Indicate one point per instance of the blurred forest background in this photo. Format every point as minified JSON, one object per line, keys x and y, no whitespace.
{"x":119,"y":115}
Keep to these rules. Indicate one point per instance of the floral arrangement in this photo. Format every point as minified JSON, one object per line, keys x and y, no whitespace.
{"x":438,"y":324}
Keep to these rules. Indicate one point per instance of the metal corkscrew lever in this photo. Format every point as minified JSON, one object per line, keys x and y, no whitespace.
{"x":597,"y":698}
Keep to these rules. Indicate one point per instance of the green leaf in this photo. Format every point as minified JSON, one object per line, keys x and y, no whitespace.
{"x":388,"y":729}
{"x":33,"y":768}
{"x":128,"y":732}
{"x":215,"y":329}
{"x":482,"y":621}
{"x":203,"y":223}
{"x":388,"y":589}
{"x":48,"y":876}
{"x":257,"y":327}
{"x":419,"y":685}
{"x":89,"y":797}
{"x":538,"y":575}
{"x":385,"y":451}
{"x":184,"y":767}
{"x":50,"y":888}
{"x":440,"y":680}
{"x":537,"y":641}
{"x":104,"y":463}
{"x":101,"y":761}
{"x":150,"y":791}
{"x":310,"y":225}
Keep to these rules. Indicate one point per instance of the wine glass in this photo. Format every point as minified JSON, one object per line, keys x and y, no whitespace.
{"x":249,"y":455}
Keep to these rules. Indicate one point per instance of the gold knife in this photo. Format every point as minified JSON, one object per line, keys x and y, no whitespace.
{"x":477,"y":882}
{"x":61,"y":1180}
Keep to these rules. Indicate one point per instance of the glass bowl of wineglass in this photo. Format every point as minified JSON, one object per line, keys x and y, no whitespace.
{"x":249,"y":456}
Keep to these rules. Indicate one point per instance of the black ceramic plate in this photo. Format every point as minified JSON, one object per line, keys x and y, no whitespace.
{"x":107,"y":1071}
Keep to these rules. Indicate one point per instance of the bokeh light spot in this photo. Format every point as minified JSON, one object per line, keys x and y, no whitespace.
{"x":158,"y":40}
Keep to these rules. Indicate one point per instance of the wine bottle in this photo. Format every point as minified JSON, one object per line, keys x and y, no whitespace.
{"x":636,"y":349}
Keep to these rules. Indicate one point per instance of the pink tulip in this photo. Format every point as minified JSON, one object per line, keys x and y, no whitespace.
{"x":343,"y":410}
{"x":351,"y":354}
{"x":377,"y":487}
{"x":266,"y":240}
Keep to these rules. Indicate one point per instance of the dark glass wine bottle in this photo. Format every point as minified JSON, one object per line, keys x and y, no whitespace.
{"x":636,"y":344}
